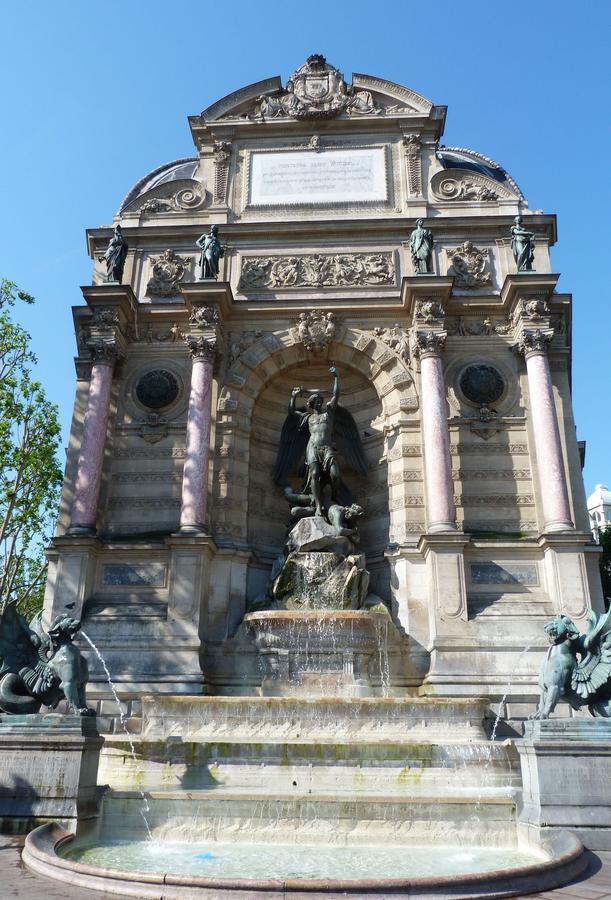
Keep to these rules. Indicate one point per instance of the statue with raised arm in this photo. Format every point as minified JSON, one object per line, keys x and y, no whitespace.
{"x":522,"y":246}
{"x":317,"y":432}
{"x":115,"y":256}
{"x":421,"y":247}
{"x":212,"y":252}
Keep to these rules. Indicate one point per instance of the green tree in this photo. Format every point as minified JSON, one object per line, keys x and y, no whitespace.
{"x":30,"y":475}
{"x":605,"y":562}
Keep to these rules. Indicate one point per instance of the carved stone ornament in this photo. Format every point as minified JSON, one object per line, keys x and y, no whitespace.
{"x":240,"y":342}
{"x":153,"y":428}
{"x":429,"y":311}
{"x":396,"y":338}
{"x":456,"y":184}
{"x":429,"y":342}
{"x":536,"y":341}
{"x":221,"y":154}
{"x":168,"y":271}
{"x":105,"y":317}
{"x":411,"y":143}
{"x":204,"y":317}
{"x":316,"y":270}
{"x":469,"y":266}
{"x":190,"y":196}
{"x":201,"y":347}
{"x":534,"y":309}
{"x":316,"y":330}
{"x":317,"y":90}
{"x":486,"y":326}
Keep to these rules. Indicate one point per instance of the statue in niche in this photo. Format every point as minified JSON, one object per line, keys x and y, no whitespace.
{"x":522,"y":246}
{"x":39,"y":668}
{"x":212,"y":252}
{"x":577,"y":667}
{"x":115,"y":256}
{"x":421,"y":247}
{"x":314,"y":432}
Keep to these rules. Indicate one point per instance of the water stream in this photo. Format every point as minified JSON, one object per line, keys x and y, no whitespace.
{"x":145,"y":804}
{"x":509,"y":684}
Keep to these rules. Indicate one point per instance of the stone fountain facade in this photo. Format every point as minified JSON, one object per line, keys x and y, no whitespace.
{"x":475,"y":529}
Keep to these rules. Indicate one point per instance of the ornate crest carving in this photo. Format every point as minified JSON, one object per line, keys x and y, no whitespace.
{"x":168,"y":271}
{"x":316,"y":270}
{"x":469,"y":266}
{"x":315,"y":330}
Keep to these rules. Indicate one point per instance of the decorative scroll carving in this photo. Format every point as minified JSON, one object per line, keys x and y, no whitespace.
{"x":168,"y":270}
{"x":454,"y":184}
{"x":317,"y":270}
{"x":200,"y":347}
{"x":429,"y":342}
{"x":204,"y":317}
{"x":221,"y":154}
{"x":190,"y":196}
{"x":396,"y":338}
{"x":536,"y":341}
{"x":411,"y":143}
{"x":315,"y":330}
{"x":469,"y":266}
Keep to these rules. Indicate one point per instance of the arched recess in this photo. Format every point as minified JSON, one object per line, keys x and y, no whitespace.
{"x":381,"y":395}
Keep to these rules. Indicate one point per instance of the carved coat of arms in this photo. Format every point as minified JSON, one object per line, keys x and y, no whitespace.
{"x":315,"y":330}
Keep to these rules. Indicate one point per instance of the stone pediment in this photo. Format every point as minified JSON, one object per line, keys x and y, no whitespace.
{"x":317,"y":90}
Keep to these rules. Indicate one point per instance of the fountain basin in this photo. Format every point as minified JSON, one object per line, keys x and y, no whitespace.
{"x":52,"y":852}
{"x":318,"y":652}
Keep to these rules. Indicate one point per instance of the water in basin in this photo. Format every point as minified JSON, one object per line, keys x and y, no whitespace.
{"x":278,"y":861}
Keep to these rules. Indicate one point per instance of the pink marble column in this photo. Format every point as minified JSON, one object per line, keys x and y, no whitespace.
{"x":84,"y":510}
{"x":197,"y":448}
{"x":440,"y":509}
{"x":552,"y":476}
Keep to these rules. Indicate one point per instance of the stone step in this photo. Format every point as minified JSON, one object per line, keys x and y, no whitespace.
{"x":397,"y":768}
{"x":322,"y":719}
{"x":223,"y":814}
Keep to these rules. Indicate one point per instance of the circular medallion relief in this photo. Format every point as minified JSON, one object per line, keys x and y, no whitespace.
{"x":482,"y":384}
{"x":158,"y":388}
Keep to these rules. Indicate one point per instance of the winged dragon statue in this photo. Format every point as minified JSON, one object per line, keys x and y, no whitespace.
{"x":316,"y":435}
{"x":39,"y":668}
{"x":577,"y":668}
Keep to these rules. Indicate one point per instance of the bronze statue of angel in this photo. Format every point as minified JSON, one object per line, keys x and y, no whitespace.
{"x":319,"y":433}
{"x":577,"y":667}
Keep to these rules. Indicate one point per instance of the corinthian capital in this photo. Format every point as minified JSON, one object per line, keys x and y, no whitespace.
{"x":103,"y":351}
{"x":429,"y":343}
{"x":533,"y":341}
{"x":201,"y":347}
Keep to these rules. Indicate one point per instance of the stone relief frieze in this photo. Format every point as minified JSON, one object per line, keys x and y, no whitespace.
{"x":397,"y":338}
{"x":469,"y":266}
{"x":151,"y":335}
{"x":168,"y":270}
{"x":463,"y":326}
{"x":454,"y":184}
{"x":317,"y":270}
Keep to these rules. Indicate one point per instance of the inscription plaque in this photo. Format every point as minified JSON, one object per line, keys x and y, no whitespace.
{"x":146,"y":575}
{"x":331,"y":176}
{"x":508,"y":573}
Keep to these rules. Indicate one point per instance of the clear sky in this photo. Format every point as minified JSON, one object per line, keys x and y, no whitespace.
{"x":95,"y":95}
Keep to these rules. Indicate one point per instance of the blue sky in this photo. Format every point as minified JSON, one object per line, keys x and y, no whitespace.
{"x":95,"y":95}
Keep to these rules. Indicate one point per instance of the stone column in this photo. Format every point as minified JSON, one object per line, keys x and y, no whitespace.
{"x":89,"y":468}
{"x":440,"y":509}
{"x":197,"y":447}
{"x":533,"y":344}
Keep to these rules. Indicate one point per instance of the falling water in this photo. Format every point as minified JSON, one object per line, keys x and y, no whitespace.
{"x":145,"y":804}
{"x":509,"y":685}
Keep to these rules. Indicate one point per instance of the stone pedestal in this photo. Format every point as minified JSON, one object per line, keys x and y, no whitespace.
{"x":318,"y":652}
{"x":48,"y":770}
{"x":566,"y":778}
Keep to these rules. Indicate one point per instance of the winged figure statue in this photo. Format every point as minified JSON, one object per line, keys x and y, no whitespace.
{"x":319,"y":432}
{"x":577,"y":668}
{"x":40,"y":668}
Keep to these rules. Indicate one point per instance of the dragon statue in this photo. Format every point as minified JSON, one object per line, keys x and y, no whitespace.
{"x":40,"y":668}
{"x":577,"y":668}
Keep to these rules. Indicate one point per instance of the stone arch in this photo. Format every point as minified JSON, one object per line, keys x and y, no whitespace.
{"x":244,"y":384}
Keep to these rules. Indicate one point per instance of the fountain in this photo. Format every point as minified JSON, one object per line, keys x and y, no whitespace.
{"x":324,"y":782}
